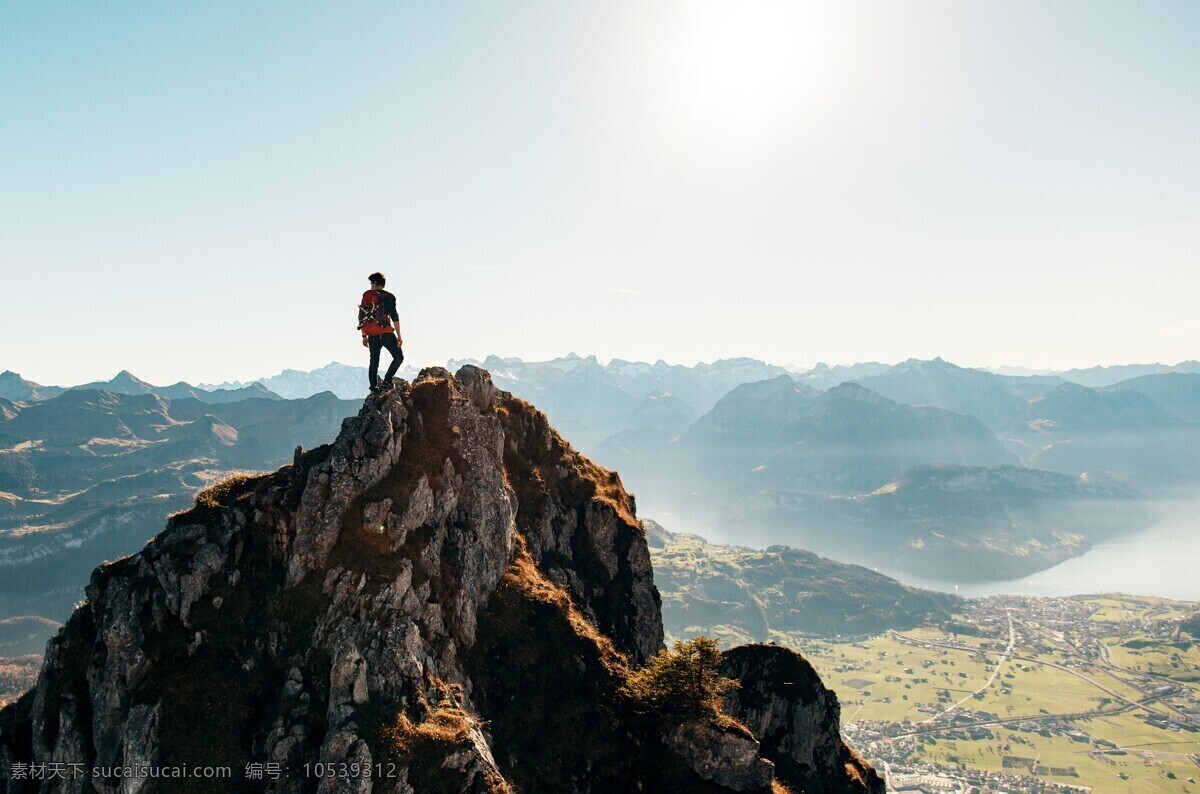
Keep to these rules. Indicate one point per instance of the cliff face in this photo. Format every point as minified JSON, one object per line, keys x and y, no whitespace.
{"x":447,"y":598}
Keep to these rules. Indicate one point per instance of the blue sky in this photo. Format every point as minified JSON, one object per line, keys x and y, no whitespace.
{"x":197,"y":190}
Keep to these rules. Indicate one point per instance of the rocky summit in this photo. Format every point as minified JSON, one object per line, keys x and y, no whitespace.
{"x":448,"y":598}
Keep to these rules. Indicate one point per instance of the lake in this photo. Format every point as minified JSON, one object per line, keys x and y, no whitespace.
{"x":1162,"y":560}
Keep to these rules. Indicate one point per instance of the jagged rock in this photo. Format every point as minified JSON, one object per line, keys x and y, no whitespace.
{"x":724,"y":754}
{"x":448,"y":596}
{"x":787,"y":708}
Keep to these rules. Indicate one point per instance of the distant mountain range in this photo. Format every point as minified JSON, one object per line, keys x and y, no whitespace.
{"x":90,"y":474}
{"x":590,"y":401}
{"x":593,"y":403}
{"x":1122,"y":431}
{"x":873,"y":450}
{"x":962,"y":474}
{"x":14,"y":388}
{"x":1100,"y":377}
{"x":1177,"y":393}
{"x":344,"y":381}
{"x":125,"y":382}
{"x":856,"y":476}
{"x":848,"y":439}
{"x":824,"y":376}
{"x":988,"y":397}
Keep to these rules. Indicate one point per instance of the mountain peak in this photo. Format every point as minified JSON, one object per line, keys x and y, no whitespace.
{"x":919,"y":364}
{"x":127,"y":380}
{"x":14,"y":387}
{"x":448,"y":557}
{"x":855,"y":391}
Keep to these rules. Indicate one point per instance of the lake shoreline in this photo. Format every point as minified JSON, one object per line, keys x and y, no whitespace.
{"x":1160,"y":561}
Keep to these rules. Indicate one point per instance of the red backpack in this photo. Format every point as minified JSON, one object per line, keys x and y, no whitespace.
{"x":372,"y":320}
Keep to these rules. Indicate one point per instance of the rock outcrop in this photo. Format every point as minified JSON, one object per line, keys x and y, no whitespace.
{"x":447,"y":598}
{"x":796,"y":719}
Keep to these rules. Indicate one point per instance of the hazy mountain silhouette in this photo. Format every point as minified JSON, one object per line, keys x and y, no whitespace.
{"x":15,"y":388}
{"x":824,"y":376}
{"x":848,"y":439}
{"x":576,"y":393}
{"x":1074,"y":408}
{"x":345,"y":381}
{"x":589,"y":401}
{"x":660,"y":411}
{"x":742,"y":429}
{"x":125,"y":382}
{"x":989,"y":398}
{"x":1177,"y":393}
{"x":1099,"y":377}
{"x":854,"y":440}
{"x":586,"y":400}
{"x":927,"y":488}
{"x":89,"y":475}
{"x":956,"y":523}
{"x":757,"y":446}
{"x":1076,"y":429}
{"x":1031,"y":387}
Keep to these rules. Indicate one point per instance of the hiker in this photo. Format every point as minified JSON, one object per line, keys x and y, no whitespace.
{"x":379,"y":324}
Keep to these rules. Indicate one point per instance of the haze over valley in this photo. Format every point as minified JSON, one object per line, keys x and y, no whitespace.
{"x":928,"y":470}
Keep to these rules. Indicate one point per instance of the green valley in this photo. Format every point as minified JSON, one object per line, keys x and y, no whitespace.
{"x":1008,"y":693}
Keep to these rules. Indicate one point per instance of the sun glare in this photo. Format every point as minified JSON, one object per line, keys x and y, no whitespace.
{"x":732,"y":80}
{"x":747,"y":60}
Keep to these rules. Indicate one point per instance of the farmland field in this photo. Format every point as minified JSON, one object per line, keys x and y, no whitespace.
{"x":1100,"y":692}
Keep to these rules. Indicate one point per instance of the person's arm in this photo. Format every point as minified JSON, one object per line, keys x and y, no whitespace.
{"x":395,"y":318}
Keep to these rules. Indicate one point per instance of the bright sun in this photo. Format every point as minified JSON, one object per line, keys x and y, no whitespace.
{"x":751,"y":60}
{"x":748,"y":58}
{"x":738,"y":75}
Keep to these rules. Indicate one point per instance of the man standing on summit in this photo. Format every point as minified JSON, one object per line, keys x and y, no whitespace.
{"x":379,"y":324}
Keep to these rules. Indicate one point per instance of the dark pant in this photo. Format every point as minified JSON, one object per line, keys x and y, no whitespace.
{"x":388,"y":341}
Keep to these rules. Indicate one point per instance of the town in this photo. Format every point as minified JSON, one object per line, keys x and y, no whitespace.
{"x":1021,"y":694}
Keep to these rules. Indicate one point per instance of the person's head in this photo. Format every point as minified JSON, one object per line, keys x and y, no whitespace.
{"x":377,"y":280}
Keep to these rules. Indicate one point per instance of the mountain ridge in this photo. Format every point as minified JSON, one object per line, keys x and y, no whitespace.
{"x":89,"y":475}
{"x":745,"y":594}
